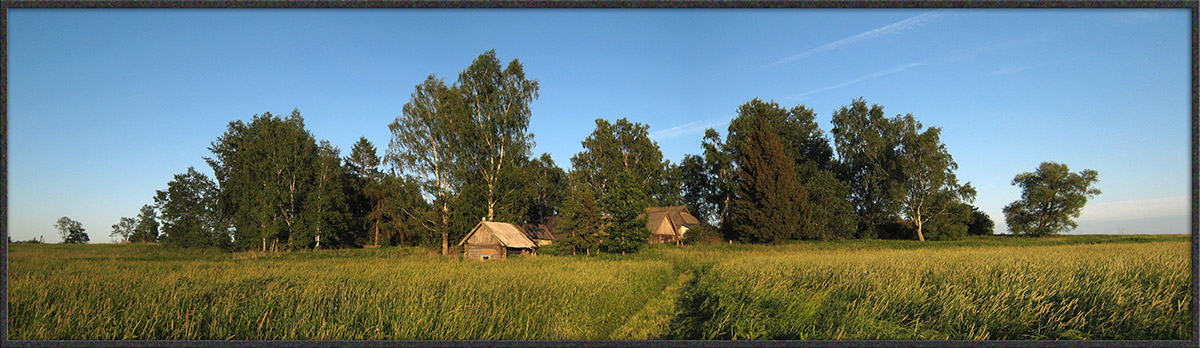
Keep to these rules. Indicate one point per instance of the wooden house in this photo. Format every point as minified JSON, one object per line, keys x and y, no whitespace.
{"x":541,"y":234}
{"x":495,"y":240}
{"x":668,"y":224}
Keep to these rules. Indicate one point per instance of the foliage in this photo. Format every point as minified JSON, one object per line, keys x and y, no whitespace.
{"x":494,"y":129}
{"x":423,"y":145}
{"x":278,"y":184}
{"x":580,"y":222}
{"x":363,"y":195}
{"x":1050,"y":198}
{"x":547,"y":189}
{"x":924,"y":179}
{"x":72,"y":231}
{"x":768,"y":206}
{"x":191,"y":217}
{"x":867,"y":146}
{"x":124,"y":229}
{"x":626,"y":201}
{"x":147,"y":226}
{"x":614,"y":148}
{"x":705,"y":234}
{"x":981,"y":224}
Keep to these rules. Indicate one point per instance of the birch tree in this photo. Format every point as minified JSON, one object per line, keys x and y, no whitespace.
{"x":423,"y":145}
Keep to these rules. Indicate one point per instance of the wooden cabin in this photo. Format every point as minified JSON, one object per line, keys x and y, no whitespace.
{"x":668,"y":224}
{"x":541,"y":234}
{"x":495,"y":240}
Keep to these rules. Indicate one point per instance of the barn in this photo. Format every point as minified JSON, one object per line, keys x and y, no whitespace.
{"x":495,"y":240}
{"x":541,"y":234}
{"x":668,"y":224}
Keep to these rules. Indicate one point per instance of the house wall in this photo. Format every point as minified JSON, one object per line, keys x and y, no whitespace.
{"x":664,"y":226}
{"x":477,"y":252}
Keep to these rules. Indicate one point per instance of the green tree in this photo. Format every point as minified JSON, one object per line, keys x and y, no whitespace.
{"x":402,"y":212}
{"x":326,"y":213}
{"x":266,"y":170}
{"x":721,"y":183}
{"x":190,"y":214}
{"x":580,"y":219}
{"x":423,"y":145}
{"x":72,"y":231}
{"x":867,"y":144}
{"x":768,"y":205}
{"x":615,"y":148}
{"x":981,"y":224}
{"x":496,"y":105}
{"x":1051,"y":198}
{"x":625,"y":202}
{"x":124,"y":229}
{"x":925,"y":186}
{"x":697,"y":187}
{"x":548,"y":189}
{"x":364,"y":195}
{"x":830,"y":215}
{"x":147,"y":226}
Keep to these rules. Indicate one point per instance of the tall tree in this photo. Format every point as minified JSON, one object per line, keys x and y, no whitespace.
{"x":147,"y":226}
{"x":266,"y":171}
{"x":580,"y":219}
{"x":72,"y":231}
{"x":1051,"y":197}
{"x":496,"y":105}
{"x":801,"y":141}
{"x":364,"y":196}
{"x":768,"y":206}
{"x":867,"y":144}
{"x":981,"y":224}
{"x":548,"y":188}
{"x":190,"y":214}
{"x":925,"y":185}
{"x":124,"y":229}
{"x":326,"y":212}
{"x":697,"y":188}
{"x":615,"y":148}
{"x":718,"y":158}
{"x":625,"y":202}
{"x":423,"y":145}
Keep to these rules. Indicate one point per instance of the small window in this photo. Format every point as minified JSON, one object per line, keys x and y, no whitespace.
{"x":485,"y":257}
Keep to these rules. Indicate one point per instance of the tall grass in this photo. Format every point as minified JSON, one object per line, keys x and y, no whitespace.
{"x":93,"y":292}
{"x":1088,"y":291}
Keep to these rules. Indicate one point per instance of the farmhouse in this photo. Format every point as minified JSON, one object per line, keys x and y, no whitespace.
{"x":541,"y":234}
{"x":668,"y":224}
{"x":495,"y":240}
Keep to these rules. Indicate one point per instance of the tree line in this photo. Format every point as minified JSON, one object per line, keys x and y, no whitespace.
{"x":462,"y":152}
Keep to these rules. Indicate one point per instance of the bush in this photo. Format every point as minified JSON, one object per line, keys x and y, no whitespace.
{"x":705,"y":234}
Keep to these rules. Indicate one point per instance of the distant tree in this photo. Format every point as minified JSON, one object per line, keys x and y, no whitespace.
{"x":954,"y":224}
{"x":768,"y":204}
{"x":924,"y":184}
{"x":72,"y":231}
{"x":147,"y":226}
{"x":364,"y":193}
{"x":190,"y":214}
{"x":625,"y":202}
{"x":401,"y":212}
{"x":614,"y":148}
{"x":496,"y":105}
{"x":424,"y":145}
{"x":1051,"y":198}
{"x":721,"y":183}
{"x":981,"y":224}
{"x":326,"y":213}
{"x":867,"y":145}
{"x":123,"y":230}
{"x":801,"y":141}
{"x":267,"y":170}
{"x":580,"y":219}
{"x":697,"y":188}
{"x":548,"y":189}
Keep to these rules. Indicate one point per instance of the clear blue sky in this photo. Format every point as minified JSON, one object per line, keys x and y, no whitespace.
{"x":105,"y":106}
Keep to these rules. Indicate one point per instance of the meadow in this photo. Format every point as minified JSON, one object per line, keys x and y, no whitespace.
{"x":1067,"y":287}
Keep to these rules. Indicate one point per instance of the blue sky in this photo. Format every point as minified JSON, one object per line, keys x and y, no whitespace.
{"x":105,"y":106}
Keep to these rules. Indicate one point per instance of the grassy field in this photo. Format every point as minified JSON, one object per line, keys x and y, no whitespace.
{"x":1078,"y":287}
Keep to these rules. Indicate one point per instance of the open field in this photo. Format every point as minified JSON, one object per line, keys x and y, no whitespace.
{"x":1079,"y":287}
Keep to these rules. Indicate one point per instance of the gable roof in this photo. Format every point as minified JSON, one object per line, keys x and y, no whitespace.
{"x":508,"y":234}
{"x":677,"y":216}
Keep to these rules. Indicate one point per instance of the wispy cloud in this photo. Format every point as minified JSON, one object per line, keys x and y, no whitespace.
{"x":893,"y":28}
{"x":1136,"y":209}
{"x":1140,"y":16}
{"x":694,"y":127}
{"x":860,"y":79}
{"x":1020,"y":68}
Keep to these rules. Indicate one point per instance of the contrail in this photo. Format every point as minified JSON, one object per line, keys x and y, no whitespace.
{"x":877,"y":32}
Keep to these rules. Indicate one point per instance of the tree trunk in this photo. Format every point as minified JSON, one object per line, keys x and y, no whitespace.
{"x":264,"y":244}
{"x":920,"y":236}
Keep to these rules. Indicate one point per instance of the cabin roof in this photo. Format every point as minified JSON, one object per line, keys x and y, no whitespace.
{"x":678,"y":216}
{"x":508,"y":234}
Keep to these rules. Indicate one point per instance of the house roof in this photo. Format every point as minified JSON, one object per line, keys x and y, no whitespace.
{"x":677,"y":215}
{"x":507,"y":234}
